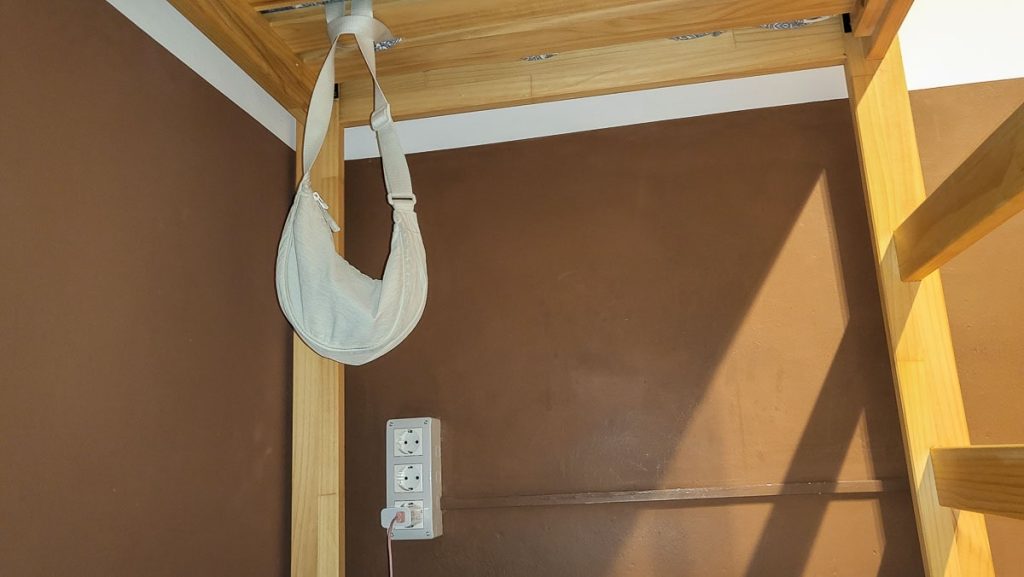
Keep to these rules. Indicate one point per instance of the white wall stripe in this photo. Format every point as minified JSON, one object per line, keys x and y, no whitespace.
{"x":174,"y":32}
{"x":592,"y":113}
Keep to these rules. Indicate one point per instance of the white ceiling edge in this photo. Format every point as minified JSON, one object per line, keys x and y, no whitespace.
{"x":952,"y":42}
{"x":945,"y":43}
{"x":170,"y":29}
{"x":596,"y":112}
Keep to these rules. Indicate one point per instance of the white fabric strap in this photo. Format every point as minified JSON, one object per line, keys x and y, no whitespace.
{"x":367,"y":31}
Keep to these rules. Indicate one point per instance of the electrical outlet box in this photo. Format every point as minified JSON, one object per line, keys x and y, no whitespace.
{"x":414,"y":475}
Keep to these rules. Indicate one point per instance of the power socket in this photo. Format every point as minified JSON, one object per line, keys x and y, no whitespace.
{"x":414,"y":476}
{"x":409,"y":442}
{"x":409,"y":478}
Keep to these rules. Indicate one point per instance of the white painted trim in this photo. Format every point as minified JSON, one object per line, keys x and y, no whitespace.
{"x":566,"y":116}
{"x":175,"y":33}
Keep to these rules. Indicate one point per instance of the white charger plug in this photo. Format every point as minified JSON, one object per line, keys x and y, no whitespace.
{"x":389,"y":514}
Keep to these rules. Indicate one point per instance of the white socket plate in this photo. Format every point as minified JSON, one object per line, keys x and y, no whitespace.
{"x":415,"y":441}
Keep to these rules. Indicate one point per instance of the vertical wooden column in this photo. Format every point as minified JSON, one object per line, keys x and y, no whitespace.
{"x":318,"y":409}
{"x":953,"y":543}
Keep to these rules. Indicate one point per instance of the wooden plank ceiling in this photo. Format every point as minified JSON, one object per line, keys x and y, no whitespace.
{"x":605,"y":70}
{"x":450,"y":33}
{"x":459,"y":55}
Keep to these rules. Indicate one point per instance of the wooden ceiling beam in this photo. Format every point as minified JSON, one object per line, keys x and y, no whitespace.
{"x":866,"y":16}
{"x":652,"y":64}
{"x":450,"y":33}
{"x":877,"y":45}
{"x":981,"y":194}
{"x":246,"y":37}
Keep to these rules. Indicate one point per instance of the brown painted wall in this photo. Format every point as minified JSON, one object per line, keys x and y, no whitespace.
{"x":984,"y":285}
{"x":144,"y":363}
{"x":686,"y":303}
{"x":656,"y":306}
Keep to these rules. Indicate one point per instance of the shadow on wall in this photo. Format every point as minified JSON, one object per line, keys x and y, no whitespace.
{"x":680,"y":304}
{"x":842,"y":405}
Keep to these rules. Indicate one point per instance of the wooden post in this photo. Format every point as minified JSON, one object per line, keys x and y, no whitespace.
{"x":986,"y":479}
{"x":954,"y":544}
{"x":318,"y":409}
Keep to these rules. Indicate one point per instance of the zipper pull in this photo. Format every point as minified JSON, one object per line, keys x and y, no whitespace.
{"x":327,"y":216}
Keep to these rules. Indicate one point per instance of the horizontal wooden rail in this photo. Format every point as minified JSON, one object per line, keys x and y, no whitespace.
{"x":839,"y":488}
{"x":984,"y":192}
{"x":985,"y":479}
{"x":635,"y":66}
{"x":455,"y":33}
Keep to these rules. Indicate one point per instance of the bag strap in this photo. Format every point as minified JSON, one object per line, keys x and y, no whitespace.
{"x":367,"y":31}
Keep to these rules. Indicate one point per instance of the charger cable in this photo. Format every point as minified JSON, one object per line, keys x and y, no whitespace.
{"x":397,"y":516}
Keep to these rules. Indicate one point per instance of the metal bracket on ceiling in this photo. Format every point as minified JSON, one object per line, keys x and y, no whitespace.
{"x":297,"y":6}
{"x":697,"y":35}
{"x":377,"y":46}
{"x":539,"y":57}
{"x":790,"y":24}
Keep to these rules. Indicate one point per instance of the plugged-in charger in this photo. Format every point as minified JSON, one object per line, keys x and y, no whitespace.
{"x":391,"y":515}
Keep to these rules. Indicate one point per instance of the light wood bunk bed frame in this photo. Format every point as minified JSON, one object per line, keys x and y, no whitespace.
{"x":463,"y":55}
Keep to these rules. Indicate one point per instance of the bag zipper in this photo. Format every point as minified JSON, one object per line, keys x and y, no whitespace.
{"x":327,"y":216}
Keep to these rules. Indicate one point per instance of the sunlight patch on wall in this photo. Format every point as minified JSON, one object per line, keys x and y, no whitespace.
{"x":753,"y":411}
